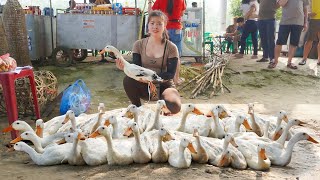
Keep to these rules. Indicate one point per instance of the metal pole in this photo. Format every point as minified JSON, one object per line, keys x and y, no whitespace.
{"x":203,"y":29}
{"x":51,"y":24}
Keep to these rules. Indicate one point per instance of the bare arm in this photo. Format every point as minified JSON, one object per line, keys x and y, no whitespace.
{"x":249,"y":13}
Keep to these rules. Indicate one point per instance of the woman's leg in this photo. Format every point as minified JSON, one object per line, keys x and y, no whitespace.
{"x":135,"y":90}
{"x":172,"y":98}
{"x":244,"y":36}
{"x":254,"y":36}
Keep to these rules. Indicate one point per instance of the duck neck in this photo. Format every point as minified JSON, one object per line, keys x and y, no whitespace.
{"x":181,"y":152}
{"x":266,"y":129}
{"x":183,"y":121}
{"x":284,"y":134}
{"x":286,"y":157}
{"x":32,"y":153}
{"x":97,"y":124}
{"x":199,"y":145}
{"x":225,"y":144}
{"x":217,"y":123}
{"x":237,"y":127}
{"x":75,"y":150}
{"x":114,"y":129}
{"x":278,"y":122}
{"x":137,"y":139}
{"x":109,"y":142}
{"x":160,"y":145}
{"x":135,"y":117}
{"x":73,"y":124}
{"x":253,"y":119}
{"x":37,"y":144}
{"x":118,"y":55}
{"x":156,"y":124}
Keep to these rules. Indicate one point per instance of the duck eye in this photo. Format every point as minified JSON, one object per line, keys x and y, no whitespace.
{"x":26,"y":133}
{"x":102,"y":127}
{"x":189,"y":105}
{"x":69,"y":136}
{"x":18,"y":123}
{"x":304,"y":133}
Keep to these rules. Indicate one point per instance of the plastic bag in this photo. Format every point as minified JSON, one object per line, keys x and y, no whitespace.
{"x":76,"y":98}
{"x":7,"y":63}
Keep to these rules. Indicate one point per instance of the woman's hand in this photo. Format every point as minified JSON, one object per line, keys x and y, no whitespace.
{"x":119,"y":64}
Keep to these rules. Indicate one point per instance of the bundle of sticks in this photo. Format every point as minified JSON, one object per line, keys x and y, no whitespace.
{"x":212,"y":77}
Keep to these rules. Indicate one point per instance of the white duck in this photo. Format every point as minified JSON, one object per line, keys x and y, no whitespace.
{"x":140,"y":151}
{"x":94,"y":151}
{"x":160,"y":153}
{"x":99,"y":118}
{"x":178,"y":156}
{"x":53,"y":156}
{"x":22,"y":126}
{"x":282,"y":156}
{"x":161,"y":106}
{"x":117,"y":129}
{"x":72,"y":117}
{"x":201,"y":156}
{"x":217,"y":130}
{"x":116,"y":155}
{"x":189,"y":108}
{"x":281,"y":115}
{"x":134,"y":71}
{"x":39,"y":128}
{"x":233,"y":125}
{"x":133,"y":112}
{"x":52,"y":126}
{"x":74,"y":156}
{"x":255,"y":126}
{"x":217,"y":148}
{"x":285,"y":133}
{"x":255,"y":155}
{"x":39,"y":143}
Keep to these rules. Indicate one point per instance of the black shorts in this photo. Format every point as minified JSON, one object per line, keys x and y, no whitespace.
{"x":293,"y":30}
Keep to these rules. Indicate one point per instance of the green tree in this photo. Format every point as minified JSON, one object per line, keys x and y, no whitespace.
{"x":235,"y":10}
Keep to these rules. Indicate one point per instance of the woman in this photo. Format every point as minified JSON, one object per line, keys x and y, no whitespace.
{"x":174,"y":9}
{"x":155,"y":52}
{"x":250,"y":10}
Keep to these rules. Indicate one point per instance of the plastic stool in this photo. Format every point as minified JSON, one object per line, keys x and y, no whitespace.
{"x":7,"y":81}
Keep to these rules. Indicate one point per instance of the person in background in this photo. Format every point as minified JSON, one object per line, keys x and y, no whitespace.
{"x":250,"y":10}
{"x":266,"y":26}
{"x":231,"y":29}
{"x":194,"y":4}
{"x":72,"y":5}
{"x":313,"y":31}
{"x":174,"y":10}
{"x":294,"y":20}
{"x":237,"y":34}
{"x":157,"y":53}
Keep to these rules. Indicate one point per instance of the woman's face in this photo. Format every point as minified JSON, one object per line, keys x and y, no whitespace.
{"x":156,"y":26}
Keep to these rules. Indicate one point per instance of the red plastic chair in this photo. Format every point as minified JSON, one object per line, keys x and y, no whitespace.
{"x":8,"y":85}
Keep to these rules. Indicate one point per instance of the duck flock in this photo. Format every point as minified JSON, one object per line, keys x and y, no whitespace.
{"x":257,"y":141}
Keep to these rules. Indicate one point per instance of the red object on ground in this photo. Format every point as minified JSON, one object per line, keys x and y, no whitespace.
{"x":7,"y":81}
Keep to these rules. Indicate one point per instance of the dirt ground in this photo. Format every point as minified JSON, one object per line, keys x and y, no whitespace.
{"x":297,"y":92}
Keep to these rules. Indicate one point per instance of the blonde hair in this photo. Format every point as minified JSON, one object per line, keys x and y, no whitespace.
{"x":157,"y":13}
